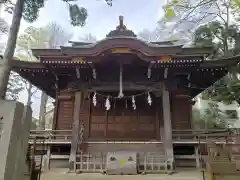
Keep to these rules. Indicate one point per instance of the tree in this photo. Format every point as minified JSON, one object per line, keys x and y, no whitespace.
{"x":15,"y":86}
{"x":188,"y":15}
{"x":148,"y":35}
{"x":29,"y":10}
{"x":160,"y":33}
{"x":209,"y":22}
{"x":226,"y":43}
{"x":215,"y":34}
{"x":89,"y":38}
{"x":31,"y":38}
{"x":50,"y":36}
{"x":3,"y":26}
{"x":211,"y":118}
{"x":56,"y":36}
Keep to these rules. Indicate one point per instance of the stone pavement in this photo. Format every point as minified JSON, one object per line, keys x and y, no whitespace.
{"x":60,"y":174}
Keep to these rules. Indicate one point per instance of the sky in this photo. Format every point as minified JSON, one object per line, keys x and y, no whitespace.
{"x":138,"y":15}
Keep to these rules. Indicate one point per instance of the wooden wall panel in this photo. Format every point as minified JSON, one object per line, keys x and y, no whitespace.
{"x":181,"y":113}
{"x":97,"y":123}
{"x":122,"y":122}
{"x":65,"y":115}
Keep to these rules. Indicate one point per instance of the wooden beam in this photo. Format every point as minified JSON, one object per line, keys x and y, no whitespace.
{"x":75,"y":130}
{"x":127,"y":86}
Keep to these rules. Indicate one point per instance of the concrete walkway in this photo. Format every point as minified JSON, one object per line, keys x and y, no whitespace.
{"x":60,"y":174}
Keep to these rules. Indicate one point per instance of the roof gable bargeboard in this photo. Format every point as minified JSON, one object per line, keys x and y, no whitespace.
{"x":133,"y":44}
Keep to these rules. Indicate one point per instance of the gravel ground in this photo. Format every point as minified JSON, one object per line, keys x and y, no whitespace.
{"x":60,"y":174}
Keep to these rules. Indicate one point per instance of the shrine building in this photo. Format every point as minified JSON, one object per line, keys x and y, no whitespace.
{"x":123,"y":94}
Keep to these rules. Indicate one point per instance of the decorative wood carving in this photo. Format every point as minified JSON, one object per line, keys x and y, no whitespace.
{"x":121,"y":50}
{"x":79,"y":60}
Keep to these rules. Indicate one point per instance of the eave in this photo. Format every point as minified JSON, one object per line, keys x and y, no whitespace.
{"x":211,"y":71}
{"x":203,"y":75}
{"x":37,"y":74}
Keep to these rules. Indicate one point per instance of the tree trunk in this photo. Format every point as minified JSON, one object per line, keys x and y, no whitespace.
{"x":10,"y":47}
{"x":42,"y":113}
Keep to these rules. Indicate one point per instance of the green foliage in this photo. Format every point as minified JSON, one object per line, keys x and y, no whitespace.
{"x":211,"y":118}
{"x":32,"y":37}
{"x":77,"y":14}
{"x":50,"y":36}
{"x":15,"y":86}
{"x":225,"y":39}
{"x":225,"y":90}
{"x":235,"y":4}
{"x":31,"y":9}
{"x":169,"y":9}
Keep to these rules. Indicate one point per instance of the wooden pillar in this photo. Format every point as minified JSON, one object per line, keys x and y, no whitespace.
{"x":167,"y":124}
{"x":55,"y":115}
{"x":75,"y":130}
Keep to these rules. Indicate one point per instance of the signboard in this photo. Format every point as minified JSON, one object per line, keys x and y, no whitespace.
{"x":121,"y":50}
{"x":165,"y":59}
{"x":78,"y":60}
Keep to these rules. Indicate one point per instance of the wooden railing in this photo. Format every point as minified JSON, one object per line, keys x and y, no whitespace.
{"x":215,"y":134}
{"x":177,"y":135}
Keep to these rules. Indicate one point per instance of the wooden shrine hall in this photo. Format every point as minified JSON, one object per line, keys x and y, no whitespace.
{"x":123,"y":94}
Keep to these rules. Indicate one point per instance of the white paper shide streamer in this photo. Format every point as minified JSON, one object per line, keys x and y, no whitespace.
{"x":149,"y":99}
{"x":107,"y":104}
{"x":95,"y":99}
{"x":134,"y":103}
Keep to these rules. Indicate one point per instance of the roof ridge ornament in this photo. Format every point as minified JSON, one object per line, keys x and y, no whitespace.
{"x":121,"y":30}
{"x":121,"y":21}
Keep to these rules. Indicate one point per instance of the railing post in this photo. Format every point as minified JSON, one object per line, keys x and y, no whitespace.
{"x":48,"y":157}
{"x":197,"y":156}
{"x":145,"y":162}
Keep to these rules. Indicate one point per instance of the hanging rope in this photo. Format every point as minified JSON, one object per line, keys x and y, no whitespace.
{"x":125,"y":97}
{"x":120,"y":95}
